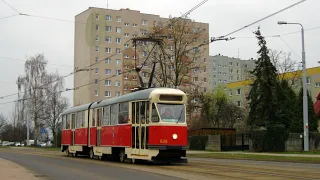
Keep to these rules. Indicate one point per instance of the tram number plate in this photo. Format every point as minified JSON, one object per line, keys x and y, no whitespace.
{"x":163,"y":141}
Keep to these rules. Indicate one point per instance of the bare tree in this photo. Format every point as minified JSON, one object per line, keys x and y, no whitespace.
{"x":284,"y":64}
{"x":3,"y":123}
{"x":34,"y":86}
{"x":178,"y":54}
{"x":56,"y":104}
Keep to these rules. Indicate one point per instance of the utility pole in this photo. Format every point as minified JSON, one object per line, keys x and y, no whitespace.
{"x":304,"y":80}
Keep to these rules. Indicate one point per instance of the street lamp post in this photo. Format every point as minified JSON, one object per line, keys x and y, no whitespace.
{"x":305,"y":100}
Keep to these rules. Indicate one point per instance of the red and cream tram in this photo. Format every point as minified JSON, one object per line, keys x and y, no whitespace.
{"x":143,"y":125}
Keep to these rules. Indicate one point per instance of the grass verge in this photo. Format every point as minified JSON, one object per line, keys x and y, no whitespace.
{"x":258,"y":157}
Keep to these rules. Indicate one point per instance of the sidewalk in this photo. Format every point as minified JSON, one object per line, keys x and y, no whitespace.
{"x":252,"y":153}
{"x":12,"y":171}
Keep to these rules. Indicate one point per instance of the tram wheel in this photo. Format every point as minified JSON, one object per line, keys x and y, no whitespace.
{"x":123,"y":156}
{"x":91,"y":155}
{"x":133,"y":161}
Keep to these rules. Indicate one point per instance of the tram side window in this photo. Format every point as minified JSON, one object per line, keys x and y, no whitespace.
{"x":114,"y":114}
{"x":155,"y":116}
{"x":68,"y":121}
{"x":99,"y":116}
{"x":93,"y":122}
{"x":123,"y":113}
{"x":64,"y":122}
{"x":79,"y":119}
{"x":106,"y":116}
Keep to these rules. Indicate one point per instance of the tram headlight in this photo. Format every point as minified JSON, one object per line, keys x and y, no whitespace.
{"x":174,"y":136}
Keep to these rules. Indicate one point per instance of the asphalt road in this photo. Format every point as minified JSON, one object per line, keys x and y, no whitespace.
{"x":46,"y":167}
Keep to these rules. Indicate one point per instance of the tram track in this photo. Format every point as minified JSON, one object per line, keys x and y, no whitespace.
{"x":201,"y":169}
{"x":217,"y":169}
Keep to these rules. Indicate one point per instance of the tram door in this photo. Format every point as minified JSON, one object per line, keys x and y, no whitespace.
{"x":139,"y":127}
{"x":73,"y":126}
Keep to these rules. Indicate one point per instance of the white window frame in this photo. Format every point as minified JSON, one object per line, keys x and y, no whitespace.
{"x":118,"y":40}
{"x":107,"y":60}
{"x":106,"y":70}
{"x":108,"y":18}
{"x":107,"y":50}
{"x":118,"y":19}
{"x":107,"y":84}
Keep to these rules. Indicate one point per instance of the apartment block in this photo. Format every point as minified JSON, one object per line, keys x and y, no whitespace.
{"x":103,"y":40}
{"x":226,"y":70}
{"x":239,"y":91}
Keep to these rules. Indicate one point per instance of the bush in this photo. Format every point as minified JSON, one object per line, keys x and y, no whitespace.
{"x":198,"y":142}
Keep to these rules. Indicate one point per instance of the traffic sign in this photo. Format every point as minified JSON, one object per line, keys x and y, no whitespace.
{"x":43,"y":131}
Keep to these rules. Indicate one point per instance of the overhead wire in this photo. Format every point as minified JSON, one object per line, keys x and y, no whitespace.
{"x":191,"y":10}
{"x":16,"y":59}
{"x":264,"y":18}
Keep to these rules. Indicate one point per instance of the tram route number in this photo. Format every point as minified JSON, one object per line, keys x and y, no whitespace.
{"x":163,"y":141}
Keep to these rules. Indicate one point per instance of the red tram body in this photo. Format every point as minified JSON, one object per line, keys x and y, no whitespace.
{"x":144,"y":125}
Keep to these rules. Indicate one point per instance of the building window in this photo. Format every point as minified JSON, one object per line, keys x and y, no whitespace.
{"x":214,"y":76}
{"x":118,"y":93}
{"x":237,"y":64}
{"x":230,"y":63}
{"x":126,"y":34}
{"x":118,"y":72}
{"x":97,"y":27}
{"x":96,"y":92}
{"x":204,"y":79}
{"x":317,"y":84}
{"x":107,"y":60}
{"x":214,"y":70}
{"x":220,"y":80}
{"x":308,"y":80}
{"x":126,"y":45}
{"x":126,"y":24}
{"x":118,"y":83}
{"x":118,"y":50}
{"x":97,"y":49}
{"x":224,"y":66}
{"x":118,"y":40}
{"x":239,"y":103}
{"x":108,"y":39}
{"x":118,"y":61}
{"x":108,"y":18}
{"x":97,"y":38}
{"x":231,"y":70}
{"x":107,"y":82}
{"x":238,"y":91}
{"x":96,"y":81}
{"x":118,"y":29}
{"x":134,"y":25}
{"x":126,"y":56}
{"x":219,"y":73}
{"x":195,"y":30}
{"x":108,"y":71}
{"x":205,"y":70}
{"x":118,"y":19}
{"x":195,"y":79}
{"x":108,"y":50}
{"x":107,"y":94}
{"x":225,"y":81}
{"x":108,"y":28}
{"x":97,"y":16}
{"x":230,"y":78}
{"x":97,"y":70}
{"x":230,"y":92}
{"x":144,"y":22}
{"x":204,"y":59}
{"x":97,"y":59}
{"x":125,"y":77}
{"x":205,"y":89}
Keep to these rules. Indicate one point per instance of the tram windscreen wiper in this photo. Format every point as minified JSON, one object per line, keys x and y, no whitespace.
{"x":180,"y":115}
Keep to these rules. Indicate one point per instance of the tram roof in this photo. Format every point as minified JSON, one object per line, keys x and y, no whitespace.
{"x":76,"y":109}
{"x":138,"y":95}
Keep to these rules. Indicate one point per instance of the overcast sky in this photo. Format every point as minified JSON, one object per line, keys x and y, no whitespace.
{"x":22,"y":36}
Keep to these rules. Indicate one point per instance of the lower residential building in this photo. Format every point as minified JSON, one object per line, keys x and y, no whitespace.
{"x":239,"y":91}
